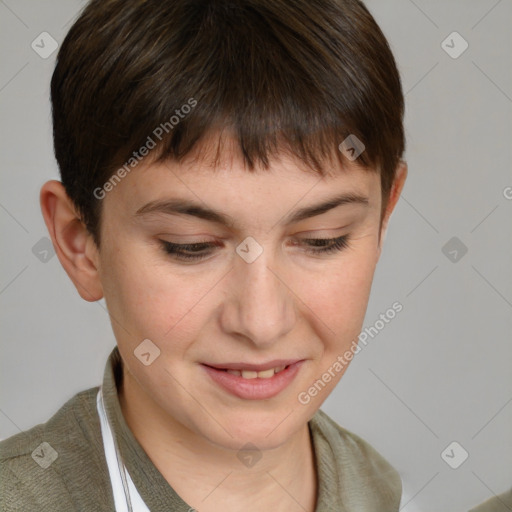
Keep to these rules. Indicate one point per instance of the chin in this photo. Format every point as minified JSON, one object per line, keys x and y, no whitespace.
{"x":265,"y":433}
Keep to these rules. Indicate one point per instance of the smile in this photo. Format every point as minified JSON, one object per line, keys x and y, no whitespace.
{"x":251,"y":384}
{"x":250,"y":374}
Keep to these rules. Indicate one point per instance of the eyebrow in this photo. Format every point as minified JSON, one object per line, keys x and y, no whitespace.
{"x":188,"y":207}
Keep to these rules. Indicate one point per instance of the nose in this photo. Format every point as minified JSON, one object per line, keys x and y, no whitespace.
{"x":260,"y":305}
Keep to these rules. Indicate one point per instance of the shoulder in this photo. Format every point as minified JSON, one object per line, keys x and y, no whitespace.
{"x":355,"y":459}
{"x":49,"y":465}
{"x":344,"y":441}
{"x":73,"y":412}
{"x":501,"y":503}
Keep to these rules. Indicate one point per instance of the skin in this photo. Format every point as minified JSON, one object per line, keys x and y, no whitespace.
{"x":286,"y":304}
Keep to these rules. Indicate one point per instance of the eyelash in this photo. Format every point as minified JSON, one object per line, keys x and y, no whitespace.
{"x":327,"y":246}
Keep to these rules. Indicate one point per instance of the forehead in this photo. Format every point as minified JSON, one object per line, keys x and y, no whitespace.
{"x":223,"y":182}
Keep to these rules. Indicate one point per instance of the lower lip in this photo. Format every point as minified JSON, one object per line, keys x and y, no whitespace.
{"x":254,"y":389}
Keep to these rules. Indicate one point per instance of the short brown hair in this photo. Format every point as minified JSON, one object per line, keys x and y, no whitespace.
{"x":301,"y":75}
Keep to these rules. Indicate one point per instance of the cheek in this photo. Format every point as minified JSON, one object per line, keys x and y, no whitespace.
{"x":140,"y":301}
{"x":339,"y":298}
{"x":148,"y":299}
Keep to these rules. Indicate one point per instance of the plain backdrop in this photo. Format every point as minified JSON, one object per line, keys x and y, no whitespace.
{"x":439,"y":372}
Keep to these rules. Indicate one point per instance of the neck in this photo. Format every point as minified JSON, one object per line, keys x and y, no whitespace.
{"x":203,"y":474}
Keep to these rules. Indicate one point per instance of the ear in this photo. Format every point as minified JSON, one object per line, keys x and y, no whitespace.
{"x":396,"y":190}
{"x":73,"y":244}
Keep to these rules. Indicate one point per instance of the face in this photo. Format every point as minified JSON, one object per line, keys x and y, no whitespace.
{"x":266,"y":281}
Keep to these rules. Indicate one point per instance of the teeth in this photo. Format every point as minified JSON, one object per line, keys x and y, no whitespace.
{"x":250,"y":374}
{"x":266,"y":374}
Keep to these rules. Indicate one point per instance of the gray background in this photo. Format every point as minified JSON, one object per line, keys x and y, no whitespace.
{"x":439,"y":372}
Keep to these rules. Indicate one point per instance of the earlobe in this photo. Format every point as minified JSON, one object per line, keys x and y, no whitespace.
{"x":71,"y":240}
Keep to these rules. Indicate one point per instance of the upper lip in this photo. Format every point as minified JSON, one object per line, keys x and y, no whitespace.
{"x":253,"y":367}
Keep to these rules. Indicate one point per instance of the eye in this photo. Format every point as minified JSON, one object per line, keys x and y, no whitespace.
{"x":326,"y":245}
{"x":200,"y":250}
{"x":194,"y":251}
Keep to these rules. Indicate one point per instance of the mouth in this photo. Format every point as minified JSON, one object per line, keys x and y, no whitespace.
{"x":253,"y":382}
{"x":247,"y":373}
